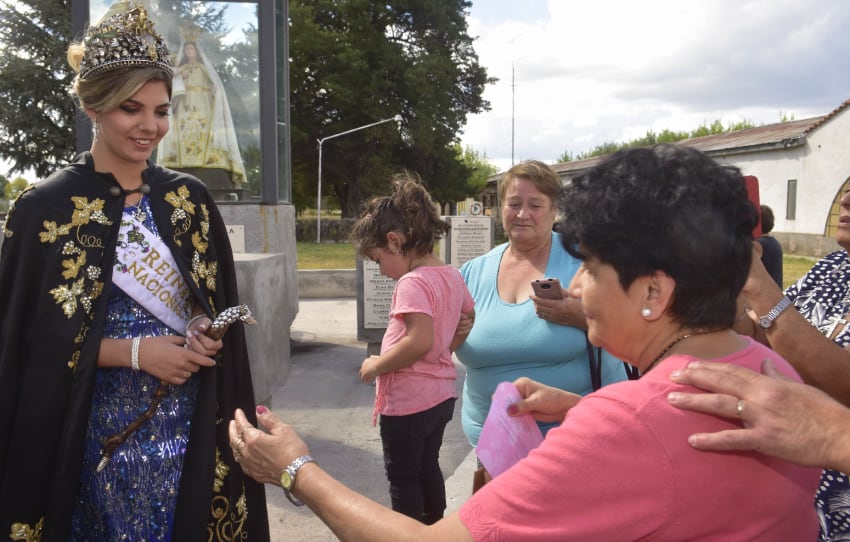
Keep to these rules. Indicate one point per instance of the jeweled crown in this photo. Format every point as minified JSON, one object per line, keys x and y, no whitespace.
{"x":124,"y":38}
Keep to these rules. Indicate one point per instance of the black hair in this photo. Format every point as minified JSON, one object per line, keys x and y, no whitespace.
{"x":666,"y":208}
{"x":409,"y":210}
{"x":766,"y":219}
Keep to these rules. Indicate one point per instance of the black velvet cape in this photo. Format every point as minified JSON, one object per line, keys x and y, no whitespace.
{"x":55,"y":271}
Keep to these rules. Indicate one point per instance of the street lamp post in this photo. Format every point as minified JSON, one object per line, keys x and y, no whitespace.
{"x":396,"y":118}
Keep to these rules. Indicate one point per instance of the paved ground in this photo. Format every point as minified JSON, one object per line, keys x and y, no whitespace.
{"x":332,"y":410}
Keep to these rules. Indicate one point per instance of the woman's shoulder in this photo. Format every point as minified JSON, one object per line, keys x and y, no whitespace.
{"x":479,"y":262}
{"x":61,"y":182}
{"x":833,"y":259}
{"x":828,"y":268}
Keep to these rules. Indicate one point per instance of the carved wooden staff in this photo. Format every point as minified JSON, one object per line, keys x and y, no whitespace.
{"x":216,"y":331}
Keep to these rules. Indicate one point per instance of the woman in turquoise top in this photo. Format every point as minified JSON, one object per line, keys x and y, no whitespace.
{"x":516,"y":333}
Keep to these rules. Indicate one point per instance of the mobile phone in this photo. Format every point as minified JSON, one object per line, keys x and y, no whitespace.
{"x":548,"y":288}
{"x":752,"y":184}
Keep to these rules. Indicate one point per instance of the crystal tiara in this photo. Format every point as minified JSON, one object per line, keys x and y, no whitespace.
{"x":126,"y":38}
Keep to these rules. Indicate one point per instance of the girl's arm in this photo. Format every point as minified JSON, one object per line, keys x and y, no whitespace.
{"x":410,"y":349}
{"x":464,"y":326}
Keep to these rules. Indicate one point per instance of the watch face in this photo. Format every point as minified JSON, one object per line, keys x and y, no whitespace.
{"x":286,"y":480}
{"x":765,"y":322}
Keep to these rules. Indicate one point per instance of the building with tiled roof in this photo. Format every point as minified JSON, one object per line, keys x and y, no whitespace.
{"x":803,"y":167}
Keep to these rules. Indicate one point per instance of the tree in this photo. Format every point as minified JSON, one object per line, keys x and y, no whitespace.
{"x":15,"y":187}
{"x":480,"y":169}
{"x":651,"y":138}
{"x":355,"y":62}
{"x":36,"y":112}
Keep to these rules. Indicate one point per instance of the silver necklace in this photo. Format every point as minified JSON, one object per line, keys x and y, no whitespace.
{"x":137,"y":211}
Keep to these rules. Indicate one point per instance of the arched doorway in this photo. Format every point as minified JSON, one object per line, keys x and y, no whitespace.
{"x":834,"y":209}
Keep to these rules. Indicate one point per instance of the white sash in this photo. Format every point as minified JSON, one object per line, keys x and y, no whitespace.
{"x":147,"y":272}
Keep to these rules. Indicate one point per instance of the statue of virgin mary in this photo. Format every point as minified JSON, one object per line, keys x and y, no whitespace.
{"x":202,"y":140}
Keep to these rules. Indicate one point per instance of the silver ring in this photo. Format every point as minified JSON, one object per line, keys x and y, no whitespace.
{"x":739,"y":410}
{"x":237,"y":456}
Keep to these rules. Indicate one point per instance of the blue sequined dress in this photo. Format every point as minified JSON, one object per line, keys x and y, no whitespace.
{"x":134,"y":497}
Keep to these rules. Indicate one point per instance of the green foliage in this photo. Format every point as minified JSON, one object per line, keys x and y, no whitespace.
{"x":15,"y":187}
{"x":36,"y":112}
{"x":651,"y":138}
{"x":355,"y":62}
{"x":480,"y":169}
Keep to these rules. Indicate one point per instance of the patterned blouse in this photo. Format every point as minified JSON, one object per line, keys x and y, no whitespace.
{"x":822,"y":296}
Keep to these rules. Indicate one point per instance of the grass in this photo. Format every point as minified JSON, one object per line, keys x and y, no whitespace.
{"x":325,"y":255}
{"x":794,"y":267}
{"x":342,"y":256}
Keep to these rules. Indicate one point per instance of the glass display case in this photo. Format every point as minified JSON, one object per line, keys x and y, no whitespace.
{"x":225,"y":128}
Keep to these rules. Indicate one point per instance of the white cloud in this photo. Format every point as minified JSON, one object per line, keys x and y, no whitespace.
{"x":585,"y":73}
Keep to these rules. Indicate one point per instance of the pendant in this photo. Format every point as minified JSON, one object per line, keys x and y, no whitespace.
{"x":139,"y":213}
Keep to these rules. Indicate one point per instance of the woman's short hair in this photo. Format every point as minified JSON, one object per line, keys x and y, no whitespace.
{"x":766,"y":219}
{"x":541,"y":175}
{"x":666,"y":208}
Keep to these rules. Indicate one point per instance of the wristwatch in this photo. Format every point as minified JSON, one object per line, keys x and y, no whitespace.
{"x":767,"y":320}
{"x":287,"y":477}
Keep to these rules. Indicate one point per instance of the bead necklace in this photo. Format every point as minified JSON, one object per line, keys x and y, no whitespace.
{"x":673,"y":343}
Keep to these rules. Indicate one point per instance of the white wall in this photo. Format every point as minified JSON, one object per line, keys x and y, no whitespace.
{"x":820,"y":166}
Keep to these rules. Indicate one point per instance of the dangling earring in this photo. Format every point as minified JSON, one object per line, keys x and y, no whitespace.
{"x":645,"y":312}
{"x":95,"y":128}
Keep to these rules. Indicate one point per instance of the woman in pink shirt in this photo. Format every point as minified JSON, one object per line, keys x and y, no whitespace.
{"x":664,"y":235}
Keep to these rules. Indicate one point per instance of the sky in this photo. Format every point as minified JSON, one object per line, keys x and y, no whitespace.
{"x":573,"y":74}
{"x":587,"y":72}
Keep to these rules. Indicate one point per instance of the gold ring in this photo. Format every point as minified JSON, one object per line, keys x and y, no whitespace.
{"x":739,"y":410}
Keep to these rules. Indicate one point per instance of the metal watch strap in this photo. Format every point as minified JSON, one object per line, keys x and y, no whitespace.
{"x":767,"y":320}
{"x":291,"y":471}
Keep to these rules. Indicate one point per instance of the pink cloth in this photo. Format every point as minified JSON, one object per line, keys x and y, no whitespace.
{"x":439,"y":292}
{"x":620,"y":468}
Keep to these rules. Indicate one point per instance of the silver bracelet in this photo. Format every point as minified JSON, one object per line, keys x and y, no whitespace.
{"x":192,"y":320}
{"x":134,"y":353}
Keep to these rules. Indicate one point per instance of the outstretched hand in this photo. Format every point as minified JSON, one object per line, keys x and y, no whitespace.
{"x":544,"y":403}
{"x":264,"y":454}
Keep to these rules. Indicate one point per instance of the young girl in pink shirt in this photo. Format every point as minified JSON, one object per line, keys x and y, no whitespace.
{"x":414,"y":374}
